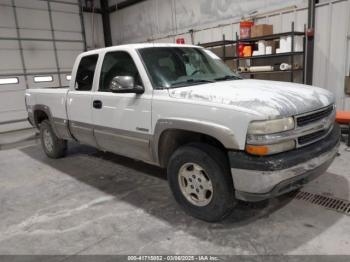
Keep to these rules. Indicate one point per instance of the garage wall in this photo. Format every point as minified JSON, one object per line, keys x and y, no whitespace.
{"x":165,"y":20}
{"x":155,"y":18}
{"x":38,"y":38}
{"x":93,"y":27}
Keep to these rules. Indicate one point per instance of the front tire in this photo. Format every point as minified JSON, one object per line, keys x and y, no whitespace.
{"x":53,"y":146}
{"x":200,"y":179}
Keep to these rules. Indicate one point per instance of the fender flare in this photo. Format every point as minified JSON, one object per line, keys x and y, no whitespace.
{"x":47,"y":111}
{"x":222,"y":133}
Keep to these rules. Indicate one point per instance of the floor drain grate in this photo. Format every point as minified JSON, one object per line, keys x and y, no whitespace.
{"x":331,"y":203}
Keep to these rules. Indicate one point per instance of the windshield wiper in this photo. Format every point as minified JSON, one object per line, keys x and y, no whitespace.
{"x":190,"y":82}
{"x":228,"y":77}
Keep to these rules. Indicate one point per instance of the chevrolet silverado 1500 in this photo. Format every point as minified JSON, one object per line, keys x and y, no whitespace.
{"x":221,"y":137}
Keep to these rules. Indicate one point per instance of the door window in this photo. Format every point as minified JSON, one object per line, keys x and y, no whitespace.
{"x":118,"y":63}
{"x":85,"y":73}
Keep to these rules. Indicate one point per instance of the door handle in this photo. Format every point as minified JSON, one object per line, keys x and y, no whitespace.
{"x":97,"y":104}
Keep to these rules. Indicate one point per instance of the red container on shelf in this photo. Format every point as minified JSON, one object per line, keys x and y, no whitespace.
{"x":240,"y":50}
{"x":180,"y":41}
{"x":245,"y":28}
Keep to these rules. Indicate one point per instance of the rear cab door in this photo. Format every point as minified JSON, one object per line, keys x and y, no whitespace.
{"x":122,"y":121}
{"x":79,"y":98}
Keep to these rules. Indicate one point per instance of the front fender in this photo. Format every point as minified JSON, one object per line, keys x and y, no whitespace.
{"x":222,"y":133}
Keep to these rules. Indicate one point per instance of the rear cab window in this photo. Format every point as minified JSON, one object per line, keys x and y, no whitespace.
{"x":85,"y":73}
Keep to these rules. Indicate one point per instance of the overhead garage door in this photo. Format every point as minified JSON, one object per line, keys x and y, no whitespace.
{"x":39,"y":41}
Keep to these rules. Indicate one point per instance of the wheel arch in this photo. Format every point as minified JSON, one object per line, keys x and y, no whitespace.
{"x":41,"y":113}
{"x":170,"y":134}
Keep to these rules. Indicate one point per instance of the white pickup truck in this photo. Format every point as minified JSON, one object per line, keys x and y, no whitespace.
{"x":221,"y":137}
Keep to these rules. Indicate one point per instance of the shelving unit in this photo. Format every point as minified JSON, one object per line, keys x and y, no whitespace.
{"x":272,"y":72}
{"x":223,"y":43}
{"x":273,"y":36}
{"x":265,"y":56}
{"x":218,"y":43}
{"x":288,"y":57}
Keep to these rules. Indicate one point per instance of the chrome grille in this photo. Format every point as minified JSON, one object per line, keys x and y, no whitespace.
{"x":315,"y":125}
{"x":313,"y":117}
{"x":303,"y":140}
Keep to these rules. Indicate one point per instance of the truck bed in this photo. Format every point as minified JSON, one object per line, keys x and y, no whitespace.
{"x":54,"y":98}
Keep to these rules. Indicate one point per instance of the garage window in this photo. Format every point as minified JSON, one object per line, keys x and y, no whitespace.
{"x":40,"y":79}
{"x":8,"y":81}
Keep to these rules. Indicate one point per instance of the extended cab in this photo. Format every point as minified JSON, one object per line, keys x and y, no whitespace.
{"x":220,"y":137}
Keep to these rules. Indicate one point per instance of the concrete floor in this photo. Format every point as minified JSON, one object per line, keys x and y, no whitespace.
{"x":95,"y":203}
{"x":19,"y":138}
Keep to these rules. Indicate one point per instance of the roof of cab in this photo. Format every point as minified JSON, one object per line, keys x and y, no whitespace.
{"x":137,"y":46}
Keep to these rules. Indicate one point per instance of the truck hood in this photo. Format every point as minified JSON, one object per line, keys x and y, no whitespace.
{"x":269,"y":99}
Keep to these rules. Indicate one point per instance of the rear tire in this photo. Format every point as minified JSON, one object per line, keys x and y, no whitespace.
{"x":53,"y":146}
{"x":200,"y":179}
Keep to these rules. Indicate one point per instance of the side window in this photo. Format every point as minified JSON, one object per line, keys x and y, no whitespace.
{"x":117,"y":63}
{"x":85,"y":73}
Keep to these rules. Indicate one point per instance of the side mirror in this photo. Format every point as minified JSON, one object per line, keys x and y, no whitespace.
{"x":125,"y":84}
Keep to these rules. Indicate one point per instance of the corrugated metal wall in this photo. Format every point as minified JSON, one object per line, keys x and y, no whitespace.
{"x":165,"y":20}
{"x":93,"y":28}
{"x":158,"y":18}
{"x":38,"y":38}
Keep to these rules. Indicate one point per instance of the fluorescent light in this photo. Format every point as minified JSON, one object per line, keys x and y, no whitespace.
{"x":38,"y":79}
{"x":7,"y":81}
{"x":68,"y":77}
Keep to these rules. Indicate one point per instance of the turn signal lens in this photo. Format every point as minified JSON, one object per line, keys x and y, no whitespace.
{"x":257,"y":150}
{"x":263,"y":150}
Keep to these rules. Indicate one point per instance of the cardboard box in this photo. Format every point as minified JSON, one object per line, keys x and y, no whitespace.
{"x":261,"y":30}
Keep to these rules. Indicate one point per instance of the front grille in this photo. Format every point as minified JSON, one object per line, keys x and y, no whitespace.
{"x":313,"y":117}
{"x":311,"y":137}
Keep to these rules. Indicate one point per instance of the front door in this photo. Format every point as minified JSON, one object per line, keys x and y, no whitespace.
{"x":122,"y":120}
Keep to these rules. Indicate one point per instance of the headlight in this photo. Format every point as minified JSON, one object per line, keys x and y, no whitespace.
{"x":263,"y":150}
{"x":259,"y":133}
{"x":270,"y":126}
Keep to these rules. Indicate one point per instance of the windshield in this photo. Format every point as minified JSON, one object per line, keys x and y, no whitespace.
{"x":171,"y":67}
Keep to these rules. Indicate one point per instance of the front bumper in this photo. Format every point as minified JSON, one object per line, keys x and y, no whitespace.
{"x":257,"y":178}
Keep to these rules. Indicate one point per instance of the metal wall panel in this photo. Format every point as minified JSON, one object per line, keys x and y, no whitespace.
{"x":12,"y":106}
{"x":7,"y":19}
{"x":94,"y":34}
{"x":54,"y":83}
{"x":10,"y":57}
{"x":37,"y":38}
{"x":39,"y":56}
{"x":337,"y":46}
{"x":157,"y":18}
{"x":25,"y":18}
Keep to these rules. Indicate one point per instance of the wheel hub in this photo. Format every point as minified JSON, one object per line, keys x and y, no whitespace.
{"x":195,"y":184}
{"x":48,"y":141}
